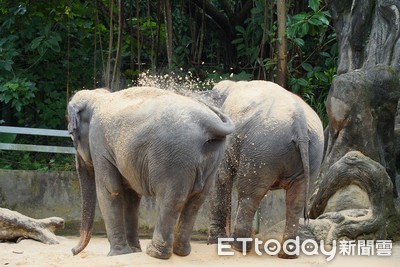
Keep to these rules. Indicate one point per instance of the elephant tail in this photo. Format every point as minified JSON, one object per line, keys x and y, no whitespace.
{"x":303,"y":144}
{"x":221,"y":128}
{"x":303,"y":140}
{"x":73,"y":123}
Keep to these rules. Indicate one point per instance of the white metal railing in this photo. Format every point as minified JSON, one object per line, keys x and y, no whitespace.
{"x":35,"y":148}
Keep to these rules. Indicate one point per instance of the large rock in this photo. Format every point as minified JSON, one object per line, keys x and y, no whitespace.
{"x":361,"y":107}
{"x":348,"y":197}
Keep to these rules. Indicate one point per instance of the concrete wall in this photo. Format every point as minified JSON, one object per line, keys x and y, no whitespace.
{"x":41,"y":194}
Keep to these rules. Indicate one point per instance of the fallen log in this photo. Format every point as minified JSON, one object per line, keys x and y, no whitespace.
{"x":15,"y":226}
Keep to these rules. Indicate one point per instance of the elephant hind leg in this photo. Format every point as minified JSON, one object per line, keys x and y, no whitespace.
{"x":171,"y":198}
{"x":131,"y":216}
{"x":110,"y":192}
{"x":187,"y":219}
{"x":185,"y":225}
{"x":161,"y":244}
{"x":172,"y":192}
{"x":221,"y":205}
{"x":248,"y":203}
{"x":294,"y":210}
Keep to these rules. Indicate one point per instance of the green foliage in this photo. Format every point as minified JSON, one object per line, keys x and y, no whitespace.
{"x":312,"y":66}
{"x":7,"y":137}
{"x":43,"y":44}
{"x":50,"y":49}
{"x":46,"y":40}
{"x":18,"y":92}
{"x":24,"y":160}
{"x":312,"y":50}
{"x":249,"y":36}
{"x":36,"y":161}
{"x":187,"y":43}
{"x":43,"y":50}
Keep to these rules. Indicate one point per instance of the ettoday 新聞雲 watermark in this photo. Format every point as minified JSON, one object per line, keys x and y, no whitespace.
{"x":309,"y":247}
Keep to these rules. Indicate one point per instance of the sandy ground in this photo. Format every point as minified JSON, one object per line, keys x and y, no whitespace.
{"x":32,"y":253}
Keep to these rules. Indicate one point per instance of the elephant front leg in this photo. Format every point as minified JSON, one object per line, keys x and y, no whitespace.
{"x":131,"y":215}
{"x":294,"y":209}
{"x":110,"y":195}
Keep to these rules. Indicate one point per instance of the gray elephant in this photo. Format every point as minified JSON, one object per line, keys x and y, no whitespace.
{"x":144,"y":141}
{"x":278,"y":143}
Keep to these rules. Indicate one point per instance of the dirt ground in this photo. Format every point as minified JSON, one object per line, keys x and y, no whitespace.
{"x":33,"y":253}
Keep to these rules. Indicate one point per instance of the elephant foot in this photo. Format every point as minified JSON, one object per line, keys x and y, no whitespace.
{"x":283,"y":255}
{"x":158,"y":251}
{"x":136,"y":249}
{"x":114,"y":251}
{"x":135,"y":246}
{"x":238,"y":246}
{"x":214,"y":235}
{"x":183,"y":249}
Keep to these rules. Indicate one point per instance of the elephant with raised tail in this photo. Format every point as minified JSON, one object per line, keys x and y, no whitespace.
{"x":277,"y":144}
{"x":144,"y":141}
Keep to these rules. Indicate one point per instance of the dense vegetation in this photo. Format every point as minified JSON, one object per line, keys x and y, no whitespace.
{"x":49,"y":49}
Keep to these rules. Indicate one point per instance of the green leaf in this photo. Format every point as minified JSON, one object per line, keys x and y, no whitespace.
{"x":7,"y":137}
{"x":325,"y":54}
{"x":12,"y":85}
{"x":5,"y":98}
{"x":307,"y":67}
{"x":323,"y":19}
{"x":313,"y":4}
{"x":299,"y":42}
{"x":299,"y":17}
{"x":53,"y":42}
{"x":42,"y":50}
{"x":315,"y":21}
{"x":237,"y":41}
{"x":305,"y":28}
{"x":302,"y":82}
{"x":53,"y":46}
{"x":240,"y":29}
{"x":36,"y":42}
{"x":322,"y":77}
{"x":295,"y":88}
{"x":6,"y":64}
{"x":17,"y":105}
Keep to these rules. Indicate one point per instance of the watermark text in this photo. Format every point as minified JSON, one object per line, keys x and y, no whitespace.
{"x":309,"y":247}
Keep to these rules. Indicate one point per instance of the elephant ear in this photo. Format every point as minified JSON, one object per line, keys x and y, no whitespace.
{"x":73,"y":122}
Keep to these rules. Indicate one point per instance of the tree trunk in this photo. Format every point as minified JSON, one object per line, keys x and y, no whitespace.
{"x":139,"y":39}
{"x":107,"y":74}
{"x":116,"y":74}
{"x":14,"y":226}
{"x":282,"y":74}
{"x":168,"y":25}
{"x":132,"y":40}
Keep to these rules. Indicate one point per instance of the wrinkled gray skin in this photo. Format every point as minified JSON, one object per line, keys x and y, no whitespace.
{"x":278,"y":143}
{"x":144,"y":141}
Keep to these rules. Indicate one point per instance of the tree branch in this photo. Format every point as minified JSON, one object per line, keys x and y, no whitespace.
{"x":221,"y":20}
